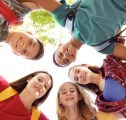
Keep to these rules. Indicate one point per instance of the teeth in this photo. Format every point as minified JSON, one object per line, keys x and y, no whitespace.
{"x":69,"y":52}
{"x":84,"y":76}
{"x":69,"y":99}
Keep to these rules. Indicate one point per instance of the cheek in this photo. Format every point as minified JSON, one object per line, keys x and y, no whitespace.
{"x":61,"y":100}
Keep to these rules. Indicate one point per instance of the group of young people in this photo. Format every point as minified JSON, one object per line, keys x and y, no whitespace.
{"x":92,"y":22}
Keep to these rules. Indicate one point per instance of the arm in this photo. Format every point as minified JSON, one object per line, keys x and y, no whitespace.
{"x":120,"y":51}
{"x":118,"y":116}
{"x":48,"y":5}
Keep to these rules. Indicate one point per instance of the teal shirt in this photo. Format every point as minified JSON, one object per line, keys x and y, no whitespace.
{"x":95,"y":20}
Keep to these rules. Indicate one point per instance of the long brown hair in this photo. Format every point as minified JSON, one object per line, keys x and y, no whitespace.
{"x":86,"y":111}
{"x":98,"y":70}
{"x":21,"y":83}
{"x":41,"y":51}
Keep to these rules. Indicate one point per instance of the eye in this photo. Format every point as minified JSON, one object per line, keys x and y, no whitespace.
{"x":78,"y":71}
{"x":76,"y":79}
{"x":20,"y":38}
{"x":72,"y":91}
{"x":30,"y":43}
{"x":45,"y":86}
{"x":60,"y":54}
{"x":66,"y":61}
{"x":40,"y":80}
{"x":63,"y":92}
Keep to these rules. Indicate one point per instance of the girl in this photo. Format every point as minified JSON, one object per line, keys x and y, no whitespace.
{"x":108,"y":82}
{"x":20,"y":99}
{"x":12,"y":13}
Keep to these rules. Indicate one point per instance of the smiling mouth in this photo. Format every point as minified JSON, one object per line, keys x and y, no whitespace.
{"x":69,"y":52}
{"x":18,"y":42}
{"x":38,"y":90}
{"x":84,"y":76}
{"x":69,"y":99}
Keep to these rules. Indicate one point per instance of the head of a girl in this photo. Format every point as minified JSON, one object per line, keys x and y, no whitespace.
{"x":38,"y":85}
{"x":69,"y":96}
{"x":84,"y":75}
{"x":25,"y":45}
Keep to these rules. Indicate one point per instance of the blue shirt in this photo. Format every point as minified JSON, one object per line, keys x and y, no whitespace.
{"x":113,"y":91}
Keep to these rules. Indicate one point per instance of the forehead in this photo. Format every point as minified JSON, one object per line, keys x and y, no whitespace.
{"x":67,"y":86}
{"x":73,"y":71}
{"x":58,"y":58}
{"x":45,"y":76}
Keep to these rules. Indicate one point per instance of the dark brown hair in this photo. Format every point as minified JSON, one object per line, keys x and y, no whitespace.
{"x":41,"y":51}
{"x":21,"y":83}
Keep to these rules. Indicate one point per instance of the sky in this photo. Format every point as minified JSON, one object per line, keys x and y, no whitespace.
{"x":13,"y":67}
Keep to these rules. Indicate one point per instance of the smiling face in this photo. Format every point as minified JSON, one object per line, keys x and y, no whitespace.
{"x":80,"y":74}
{"x":39,"y":85}
{"x":24,"y":45}
{"x":65,"y":54}
{"x":68,"y":95}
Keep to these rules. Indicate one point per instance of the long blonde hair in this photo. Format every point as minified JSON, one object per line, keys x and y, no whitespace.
{"x":86,"y":111}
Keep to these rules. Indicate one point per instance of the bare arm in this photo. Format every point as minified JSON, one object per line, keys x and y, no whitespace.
{"x":118,"y":116}
{"x":48,"y":5}
{"x":120,"y":51}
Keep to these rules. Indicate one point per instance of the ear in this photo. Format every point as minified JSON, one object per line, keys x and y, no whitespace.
{"x":60,"y":102}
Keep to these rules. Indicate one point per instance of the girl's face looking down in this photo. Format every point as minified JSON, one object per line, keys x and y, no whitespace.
{"x":68,"y":95}
{"x":24,"y":45}
{"x":81,"y":75}
{"x":39,"y":85}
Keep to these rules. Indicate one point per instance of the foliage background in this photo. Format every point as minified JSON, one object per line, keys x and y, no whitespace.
{"x":42,"y":25}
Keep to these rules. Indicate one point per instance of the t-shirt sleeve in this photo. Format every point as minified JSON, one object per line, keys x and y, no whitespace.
{"x":3,"y":84}
{"x":43,"y":117}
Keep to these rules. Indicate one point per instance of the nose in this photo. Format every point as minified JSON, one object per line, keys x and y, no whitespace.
{"x":23,"y":45}
{"x":66,"y":53}
{"x":68,"y":93}
{"x":41,"y":84}
{"x":80,"y":76}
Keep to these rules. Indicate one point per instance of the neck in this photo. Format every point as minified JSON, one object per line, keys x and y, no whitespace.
{"x":77,"y":44}
{"x":98,"y":80}
{"x":72,"y":113}
{"x":26,"y":99}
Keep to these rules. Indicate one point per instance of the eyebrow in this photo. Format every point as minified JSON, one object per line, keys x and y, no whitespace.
{"x":75,"y":71}
{"x":41,"y":77}
{"x":66,"y":89}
